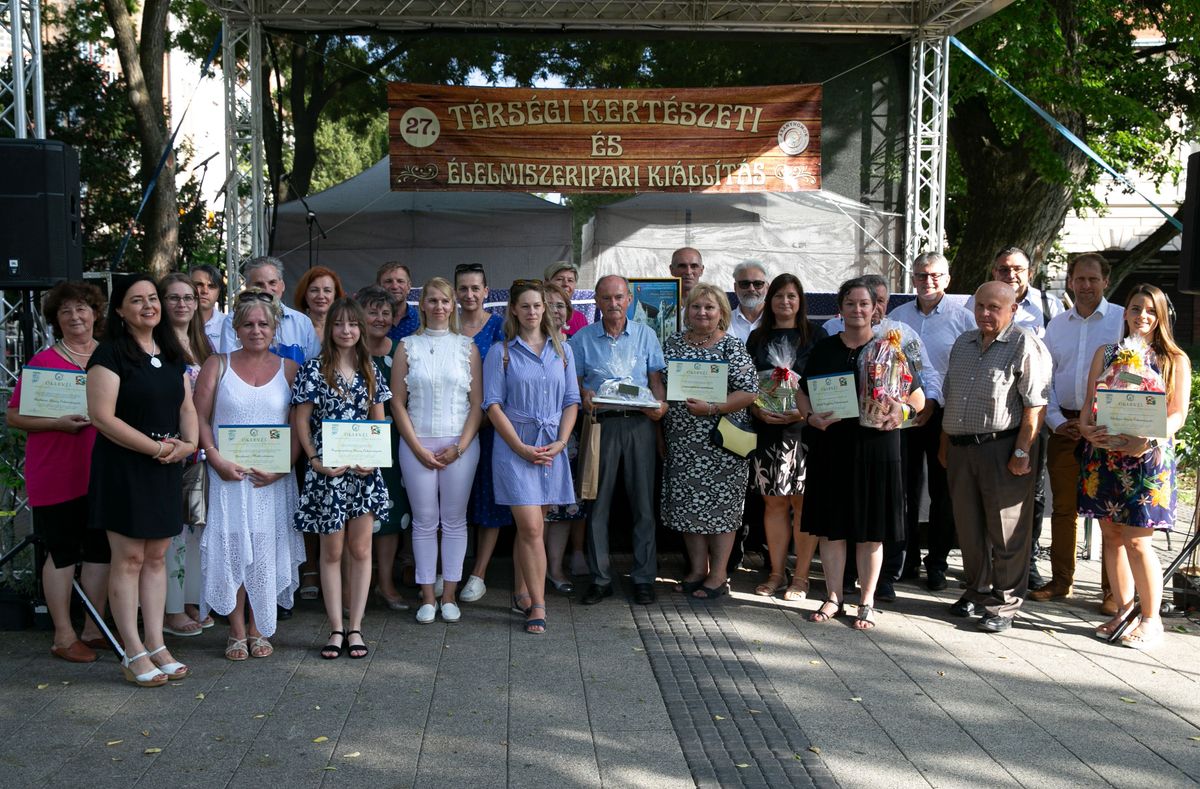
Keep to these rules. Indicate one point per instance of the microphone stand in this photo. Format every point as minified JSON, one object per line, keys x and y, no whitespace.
{"x":310,"y":218}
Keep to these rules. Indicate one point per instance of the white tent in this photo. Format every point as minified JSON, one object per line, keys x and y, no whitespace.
{"x":819,"y":236}
{"x":513,"y":235}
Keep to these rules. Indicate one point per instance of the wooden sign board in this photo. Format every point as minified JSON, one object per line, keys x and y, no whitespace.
{"x":454,"y":138}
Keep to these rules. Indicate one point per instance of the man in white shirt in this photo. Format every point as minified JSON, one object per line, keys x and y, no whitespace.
{"x":1073,"y":337}
{"x":688,"y":266}
{"x":750,"y":285}
{"x":295,"y":338}
{"x":938,"y":323}
{"x":210,"y":290}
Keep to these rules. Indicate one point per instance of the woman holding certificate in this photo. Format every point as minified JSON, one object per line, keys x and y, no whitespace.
{"x":704,"y":486}
{"x":184,"y":581}
{"x":532,"y":398}
{"x":780,"y":347}
{"x":853,"y":488}
{"x":437,"y":384}
{"x":138,"y":399}
{"x":250,"y":553}
{"x":1128,"y":481}
{"x":58,"y":455}
{"x":340,"y":502}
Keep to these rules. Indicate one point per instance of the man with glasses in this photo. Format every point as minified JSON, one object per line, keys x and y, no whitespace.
{"x":396,"y":279}
{"x":295,"y":337}
{"x":687,"y":265}
{"x":750,"y":286}
{"x":939,"y":323}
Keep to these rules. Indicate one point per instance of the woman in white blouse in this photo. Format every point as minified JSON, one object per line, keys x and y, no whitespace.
{"x":436,"y":395}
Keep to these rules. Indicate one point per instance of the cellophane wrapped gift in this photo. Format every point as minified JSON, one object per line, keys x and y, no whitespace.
{"x":618,"y":388}
{"x":777,"y":387}
{"x":1132,"y":368}
{"x":885,"y":372}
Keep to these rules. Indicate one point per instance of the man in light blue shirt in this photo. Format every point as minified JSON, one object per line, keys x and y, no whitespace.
{"x":1072,"y":339}
{"x":295,"y":338}
{"x":628,"y":439}
{"x":939,"y":323}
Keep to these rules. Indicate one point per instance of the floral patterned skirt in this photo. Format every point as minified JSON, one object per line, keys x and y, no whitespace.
{"x":778,"y":468}
{"x":1134,"y":490}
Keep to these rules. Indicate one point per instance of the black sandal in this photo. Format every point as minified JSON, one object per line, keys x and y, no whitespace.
{"x":820,"y":616}
{"x":356,"y":651}
{"x":332,"y":651}
{"x":687,"y":587}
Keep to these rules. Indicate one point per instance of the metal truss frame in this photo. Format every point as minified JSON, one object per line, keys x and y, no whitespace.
{"x":245,"y":220}
{"x":22,"y":107}
{"x":925,"y":189}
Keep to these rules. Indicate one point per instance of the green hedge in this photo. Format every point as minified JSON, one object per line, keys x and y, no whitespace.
{"x":1187,"y":440}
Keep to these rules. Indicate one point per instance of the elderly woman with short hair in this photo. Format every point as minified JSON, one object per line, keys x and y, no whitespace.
{"x":704,"y":486}
{"x":58,"y":456}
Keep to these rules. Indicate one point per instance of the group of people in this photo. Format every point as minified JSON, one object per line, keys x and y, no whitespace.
{"x":486,"y":414}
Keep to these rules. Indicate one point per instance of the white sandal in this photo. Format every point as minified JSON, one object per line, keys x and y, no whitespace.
{"x":173,"y":670}
{"x":151,"y":679}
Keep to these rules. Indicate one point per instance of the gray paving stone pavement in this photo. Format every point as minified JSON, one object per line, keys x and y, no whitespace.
{"x":616,"y":695}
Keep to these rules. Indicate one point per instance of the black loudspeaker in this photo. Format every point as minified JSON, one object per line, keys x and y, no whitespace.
{"x":40,"y":239}
{"x":1189,"y":253}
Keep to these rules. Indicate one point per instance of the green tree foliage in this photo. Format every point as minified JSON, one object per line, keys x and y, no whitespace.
{"x":1015,"y":177}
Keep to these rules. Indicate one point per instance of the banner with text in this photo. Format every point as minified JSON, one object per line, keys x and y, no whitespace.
{"x":765,"y":139}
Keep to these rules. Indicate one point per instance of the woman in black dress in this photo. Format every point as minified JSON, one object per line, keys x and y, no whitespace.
{"x":777,"y":468}
{"x":854,"y":485}
{"x":139,"y":401}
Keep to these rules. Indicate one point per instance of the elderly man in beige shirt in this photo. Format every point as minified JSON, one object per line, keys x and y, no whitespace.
{"x":996,"y":388}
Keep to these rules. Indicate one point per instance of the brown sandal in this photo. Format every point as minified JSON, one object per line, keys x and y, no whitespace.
{"x":797,"y":590}
{"x":775,"y":583}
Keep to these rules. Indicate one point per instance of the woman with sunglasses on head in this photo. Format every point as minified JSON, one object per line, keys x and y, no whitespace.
{"x":532,"y":398}
{"x":437,"y":390}
{"x":139,"y":400}
{"x":58,"y":455}
{"x":340,"y":503}
{"x":566,"y":520}
{"x":379,"y":305}
{"x":470,"y":287}
{"x":1128,"y":482}
{"x":251,"y":554}
{"x":184,"y":581}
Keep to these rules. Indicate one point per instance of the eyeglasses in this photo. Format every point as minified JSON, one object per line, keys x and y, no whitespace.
{"x":746,"y":284}
{"x":176,"y":298}
{"x":463,"y":268}
{"x":933,"y":275}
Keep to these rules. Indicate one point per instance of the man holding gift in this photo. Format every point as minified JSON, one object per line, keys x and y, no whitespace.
{"x":939,"y":323}
{"x":1072,"y":339}
{"x":996,"y":388}
{"x":628,"y":439}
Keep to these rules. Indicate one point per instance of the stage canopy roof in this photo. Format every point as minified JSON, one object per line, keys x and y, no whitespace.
{"x":898,"y":17}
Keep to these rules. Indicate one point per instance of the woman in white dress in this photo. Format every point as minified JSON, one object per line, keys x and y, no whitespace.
{"x":250,"y":553}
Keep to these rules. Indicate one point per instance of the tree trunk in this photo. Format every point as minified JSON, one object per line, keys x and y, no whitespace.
{"x":1146,"y":249}
{"x":1007,"y":203}
{"x":142,"y":63}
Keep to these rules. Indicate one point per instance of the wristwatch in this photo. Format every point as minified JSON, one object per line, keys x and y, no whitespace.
{"x":1020,"y":453}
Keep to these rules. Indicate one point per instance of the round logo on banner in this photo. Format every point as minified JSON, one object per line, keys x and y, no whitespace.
{"x":419,"y":127}
{"x":793,"y":137}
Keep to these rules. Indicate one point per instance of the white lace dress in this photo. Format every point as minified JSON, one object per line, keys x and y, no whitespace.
{"x":249,"y":540}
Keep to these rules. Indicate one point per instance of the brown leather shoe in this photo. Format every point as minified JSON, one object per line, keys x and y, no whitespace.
{"x":78,"y":652}
{"x":1051,"y":591}
{"x":1109,"y":606}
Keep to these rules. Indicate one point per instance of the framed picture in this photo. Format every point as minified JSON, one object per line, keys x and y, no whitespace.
{"x":656,"y":303}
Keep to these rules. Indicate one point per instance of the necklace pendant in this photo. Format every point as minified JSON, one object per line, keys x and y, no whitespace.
{"x":155,"y":362}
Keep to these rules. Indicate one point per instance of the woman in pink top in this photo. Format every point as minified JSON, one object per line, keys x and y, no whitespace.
{"x":58,"y":457}
{"x":565,"y":274}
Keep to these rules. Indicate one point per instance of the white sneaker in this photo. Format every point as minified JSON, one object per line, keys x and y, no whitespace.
{"x":437,"y":586}
{"x":473,"y":589}
{"x":450,"y":612}
{"x":427,"y":613}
